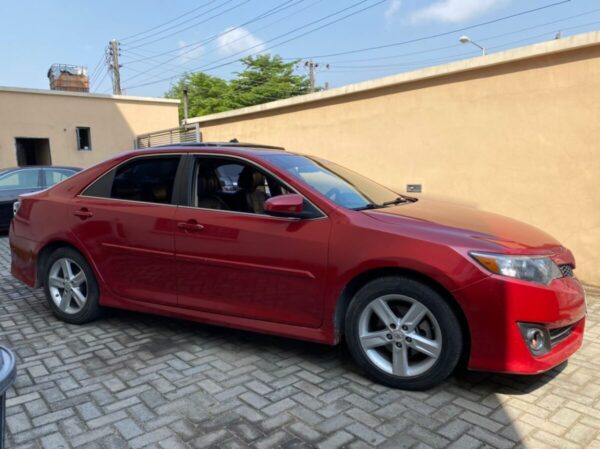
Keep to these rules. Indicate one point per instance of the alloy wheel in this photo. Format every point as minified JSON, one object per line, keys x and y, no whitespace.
{"x":68,"y":285}
{"x":400,"y":335}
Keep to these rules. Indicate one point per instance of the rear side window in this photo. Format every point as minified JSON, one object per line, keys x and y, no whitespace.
{"x":149,"y":180}
{"x":54,"y":176}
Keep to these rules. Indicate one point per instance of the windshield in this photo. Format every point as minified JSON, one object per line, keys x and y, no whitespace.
{"x":341,"y":185}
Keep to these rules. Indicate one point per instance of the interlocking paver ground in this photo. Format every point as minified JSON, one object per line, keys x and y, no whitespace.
{"x":138,"y":381}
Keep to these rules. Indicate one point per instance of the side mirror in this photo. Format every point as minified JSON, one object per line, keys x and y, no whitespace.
{"x":285,"y":205}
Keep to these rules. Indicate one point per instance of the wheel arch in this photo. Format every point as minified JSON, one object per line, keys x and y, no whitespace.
{"x":45,"y":252}
{"x":361,"y":279}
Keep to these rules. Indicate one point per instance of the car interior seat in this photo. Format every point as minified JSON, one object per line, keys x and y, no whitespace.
{"x":252,"y":185}
{"x":207,"y":187}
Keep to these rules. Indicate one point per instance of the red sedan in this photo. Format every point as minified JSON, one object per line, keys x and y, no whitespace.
{"x":262,"y":239}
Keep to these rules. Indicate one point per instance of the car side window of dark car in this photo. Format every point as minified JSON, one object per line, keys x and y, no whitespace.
{"x":55,"y":175}
{"x":144,"y":179}
{"x":27,"y":178}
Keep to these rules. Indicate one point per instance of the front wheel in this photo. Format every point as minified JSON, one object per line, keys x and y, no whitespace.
{"x":403,"y":333}
{"x":71,"y":287}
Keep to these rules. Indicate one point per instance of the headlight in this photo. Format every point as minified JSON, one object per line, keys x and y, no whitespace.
{"x":16,"y":206}
{"x":537,"y":269}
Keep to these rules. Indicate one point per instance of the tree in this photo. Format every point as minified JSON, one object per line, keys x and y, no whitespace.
{"x":264,"y":78}
{"x":207,"y":94}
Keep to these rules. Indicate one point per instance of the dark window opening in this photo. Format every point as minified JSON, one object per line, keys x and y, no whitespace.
{"x":149,"y":180}
{"x":33,"y":151}
{"x":84,"y":139}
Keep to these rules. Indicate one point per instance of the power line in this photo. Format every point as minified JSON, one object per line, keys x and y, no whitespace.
{"x":266,"y":14}
{"x":167,"y":22}
{"x":180,"y":30}
{"x":483,"y":39}
{"x":96,"y":67}
{"x":279,"y":37}
{"x":529,"y":11}
{"x":285,"y":5}
{"x":102,"y":79}
{"x":433,"y":36}
{"x":545,"y":34}
{"x":346,"y":69}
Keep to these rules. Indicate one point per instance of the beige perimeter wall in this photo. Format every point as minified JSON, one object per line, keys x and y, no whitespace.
{"x":517,"y":133}
{"x":114,"y":123}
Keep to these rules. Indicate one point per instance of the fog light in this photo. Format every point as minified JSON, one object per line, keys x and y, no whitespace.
{"x":536,"y":337}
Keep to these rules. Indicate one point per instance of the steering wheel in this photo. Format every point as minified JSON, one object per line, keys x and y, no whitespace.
{"x":332,"y":193}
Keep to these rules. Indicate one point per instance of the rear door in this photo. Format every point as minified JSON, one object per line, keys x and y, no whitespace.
{"x":126,"y":220}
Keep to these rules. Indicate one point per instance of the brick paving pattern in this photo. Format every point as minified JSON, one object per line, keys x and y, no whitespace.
{"x":139,"y":381}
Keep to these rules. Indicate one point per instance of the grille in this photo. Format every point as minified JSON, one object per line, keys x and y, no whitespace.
{"x":566,"y":270}
{"x":559,"y":334}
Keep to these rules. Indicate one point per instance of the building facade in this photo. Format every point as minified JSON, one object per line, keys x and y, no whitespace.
{"x":77,"y":129}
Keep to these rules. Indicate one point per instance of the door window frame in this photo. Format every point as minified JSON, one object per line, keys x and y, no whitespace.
{"x":187,"y":186}
{"x":109,"y":175}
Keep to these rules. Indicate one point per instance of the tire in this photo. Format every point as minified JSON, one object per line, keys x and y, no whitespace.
{"x":413,"y":351}
{"x":73,"y":298}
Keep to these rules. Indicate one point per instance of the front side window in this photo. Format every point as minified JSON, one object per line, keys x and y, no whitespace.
{"x":225,"y":184}
{"x":145,"y":179}
{"x":341,"y":185}
{"x":22,"y":179}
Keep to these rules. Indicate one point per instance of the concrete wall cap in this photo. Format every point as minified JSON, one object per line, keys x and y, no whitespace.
{"x":23,"y":90}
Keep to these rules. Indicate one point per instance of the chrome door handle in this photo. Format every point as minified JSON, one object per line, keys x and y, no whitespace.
{"x":191,"y":225}
{"x":83,"y":213}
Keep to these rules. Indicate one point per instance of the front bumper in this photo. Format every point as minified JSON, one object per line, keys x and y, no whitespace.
{"x":494,"y":306}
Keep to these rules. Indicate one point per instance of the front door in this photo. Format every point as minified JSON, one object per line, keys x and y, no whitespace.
{"x":233,"y":259}
{"x":127,"y":221}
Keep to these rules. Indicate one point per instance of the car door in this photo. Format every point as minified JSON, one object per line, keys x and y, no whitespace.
{"x":237,"y":262}
{"x":126,"y":220}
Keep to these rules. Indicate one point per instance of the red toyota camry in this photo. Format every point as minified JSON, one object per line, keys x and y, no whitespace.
{"x":262,"y":239}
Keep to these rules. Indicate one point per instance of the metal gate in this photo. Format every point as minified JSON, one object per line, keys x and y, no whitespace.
{"x":189,"y":133}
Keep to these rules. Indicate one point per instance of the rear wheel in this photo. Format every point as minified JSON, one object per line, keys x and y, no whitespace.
{"x":71,"y":287}
{"x":403,"y":333}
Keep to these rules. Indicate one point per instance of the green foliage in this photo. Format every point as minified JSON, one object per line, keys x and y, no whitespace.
{"x":264,"y":78}
{"x":207,"y":94}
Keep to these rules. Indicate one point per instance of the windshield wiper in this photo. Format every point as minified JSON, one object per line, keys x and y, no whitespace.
{"x":398,"y":200}
{"x":369,"y":206}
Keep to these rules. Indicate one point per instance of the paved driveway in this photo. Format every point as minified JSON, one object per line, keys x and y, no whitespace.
{"x":132,"y":380}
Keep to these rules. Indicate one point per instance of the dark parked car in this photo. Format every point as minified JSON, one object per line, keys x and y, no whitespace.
{"x":20,"y":180}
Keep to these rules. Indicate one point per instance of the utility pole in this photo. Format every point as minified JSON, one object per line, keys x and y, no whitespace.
{"x":114,"y":51}
{"x":312,"y":66}
{"x":185,"y":104}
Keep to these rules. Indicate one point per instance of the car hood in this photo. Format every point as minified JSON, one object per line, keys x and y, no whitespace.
{"x":484,"y":230}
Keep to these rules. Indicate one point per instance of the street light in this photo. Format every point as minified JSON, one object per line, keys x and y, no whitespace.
{"x":467,"y":40}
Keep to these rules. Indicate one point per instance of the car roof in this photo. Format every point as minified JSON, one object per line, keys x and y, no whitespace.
{"x":217,"y":147}
{"x":26,"y":167}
